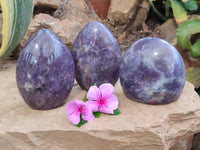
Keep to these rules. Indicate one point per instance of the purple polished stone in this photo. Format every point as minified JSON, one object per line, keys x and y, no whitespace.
{"x":97,"y":56}
{"x":152,"y":71}
{"x":45,"y":71}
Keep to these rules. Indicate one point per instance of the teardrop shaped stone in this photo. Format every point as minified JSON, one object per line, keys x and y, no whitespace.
{"x":45,"y":71}
{"x":97,"y":56}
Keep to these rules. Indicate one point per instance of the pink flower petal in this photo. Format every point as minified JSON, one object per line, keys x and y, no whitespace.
{"x":105,"y":109}
{"x":79,"y":102}
{"x":107,"y":90}
{"x":112,"y":102}
{"x":73,"y":106}
{"x":93,"y":93}
{"x":74,"y":118}
{"x":94,"y":105}
{"x":87,"y":114}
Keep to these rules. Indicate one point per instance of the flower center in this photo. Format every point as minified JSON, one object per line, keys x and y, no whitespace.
{"x":101,"y":101}
{"x":80,"y":109}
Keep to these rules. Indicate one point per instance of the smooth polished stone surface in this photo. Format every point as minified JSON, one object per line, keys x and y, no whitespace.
{"x":45,"y":71}
{"x":97,"y":56}
{"x":152,"y":71}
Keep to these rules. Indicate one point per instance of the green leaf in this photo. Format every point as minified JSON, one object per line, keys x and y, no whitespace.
{"x":186,"y":30}
{"x":97,"y":114}
{"x":116,"y":112}
{"x":16,"y":18}
{"x":191,"y":5}
{"x":184,"y":1}
{"x":193,"y":76}
{"x":95,"y":84}
{"x":179,"y":12}
{"x":85,"y":99}
{"x":196,"y":49}
{"x":82,"y":122}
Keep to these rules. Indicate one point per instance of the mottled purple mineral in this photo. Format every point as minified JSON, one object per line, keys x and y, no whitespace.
{"x":45,"y":71}
{"x":152,"y":72}
{"x":97,"y":56}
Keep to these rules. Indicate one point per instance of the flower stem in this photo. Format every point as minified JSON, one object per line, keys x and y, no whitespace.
{"x":156,"y":11}
{"x":167,"y":9}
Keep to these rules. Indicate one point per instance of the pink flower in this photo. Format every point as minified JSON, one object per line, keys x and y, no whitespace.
{"x":77,"y":107}
{"x":102,"y":99}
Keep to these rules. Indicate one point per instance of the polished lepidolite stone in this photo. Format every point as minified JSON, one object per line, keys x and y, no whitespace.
{"x":45,"y":71}
{"x":152,"y":71}
{"x":97,"y":56}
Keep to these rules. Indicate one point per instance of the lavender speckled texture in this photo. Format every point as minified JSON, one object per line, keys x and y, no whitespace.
{"x":152,"y":72}
{"x":45,"y":71}
{"x":97,"y":56}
